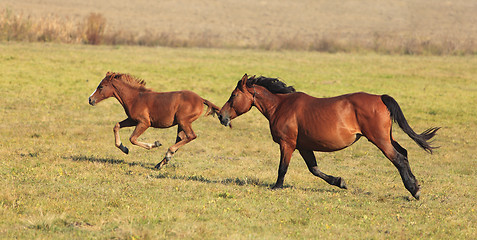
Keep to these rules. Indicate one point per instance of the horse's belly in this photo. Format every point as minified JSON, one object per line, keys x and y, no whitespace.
{"x":328,"y":143}
{"x":321,"y":146}
{"x":162,"y":122}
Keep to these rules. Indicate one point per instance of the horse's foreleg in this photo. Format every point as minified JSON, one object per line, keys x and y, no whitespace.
{"x":286,"y":152}
{"x":117,"y":141}
{"x":185,"y":134}
{"x":140,"y":128}
{"x":310,"y":160}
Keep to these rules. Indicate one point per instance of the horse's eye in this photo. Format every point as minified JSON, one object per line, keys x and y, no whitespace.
{"x":100,"y":87}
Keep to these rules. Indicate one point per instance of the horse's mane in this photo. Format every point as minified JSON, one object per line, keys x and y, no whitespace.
{"x":271,"y":84}
{"x":131,"y":80}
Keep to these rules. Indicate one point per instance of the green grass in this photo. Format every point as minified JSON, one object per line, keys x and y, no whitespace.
{"x":62,"y":178}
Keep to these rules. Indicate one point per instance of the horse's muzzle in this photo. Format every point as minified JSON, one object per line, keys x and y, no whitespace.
{"x":91,"y":102}
{"x":224,"y":120}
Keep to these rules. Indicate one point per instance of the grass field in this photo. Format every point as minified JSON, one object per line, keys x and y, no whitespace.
{"x":61,"y":176}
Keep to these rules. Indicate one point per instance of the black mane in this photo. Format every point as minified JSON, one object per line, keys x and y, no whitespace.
{"x":272,"y":84}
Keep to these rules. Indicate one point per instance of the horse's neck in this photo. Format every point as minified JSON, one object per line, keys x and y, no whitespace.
{"x":125,"y":94}
{"x":265,"y":101}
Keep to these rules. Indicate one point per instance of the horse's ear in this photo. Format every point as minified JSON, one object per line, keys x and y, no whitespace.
{"x":245,"y":77}
{"x":244,"y":80}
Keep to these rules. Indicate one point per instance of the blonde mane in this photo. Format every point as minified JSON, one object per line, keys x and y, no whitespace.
{"x":131,"y":80}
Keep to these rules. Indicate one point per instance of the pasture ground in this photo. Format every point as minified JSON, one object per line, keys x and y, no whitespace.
{"x":62,"y":178}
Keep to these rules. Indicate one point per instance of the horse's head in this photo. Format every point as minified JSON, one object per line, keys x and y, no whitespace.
{"x":104,"y":90}
{"x":240,"y":102}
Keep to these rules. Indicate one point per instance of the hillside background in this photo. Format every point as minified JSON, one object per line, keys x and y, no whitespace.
{"x":303,"y":24}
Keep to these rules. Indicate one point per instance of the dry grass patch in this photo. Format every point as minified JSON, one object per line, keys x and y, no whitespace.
{"x":405,"y":28}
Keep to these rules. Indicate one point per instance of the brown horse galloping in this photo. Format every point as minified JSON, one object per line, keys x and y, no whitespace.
{"x":299,"y":121}
{"x":146,"y":108}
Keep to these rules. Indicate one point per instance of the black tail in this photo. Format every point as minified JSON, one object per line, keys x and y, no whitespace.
{"x":398,"y":116}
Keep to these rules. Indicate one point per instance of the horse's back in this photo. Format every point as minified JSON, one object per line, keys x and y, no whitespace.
{"x":190,"y":105}
{"x":354,"y":108}
{"x":167,"y":109}
{"x":332,"y":105}
{"x":330,"y":124}
{"x":359,"y":102}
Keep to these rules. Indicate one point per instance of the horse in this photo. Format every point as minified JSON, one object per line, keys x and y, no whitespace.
{"x":145,"y":108}
{"x":300,"y":121}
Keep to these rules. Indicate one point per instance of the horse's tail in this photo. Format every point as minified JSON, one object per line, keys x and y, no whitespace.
{"x":212,"y":109}
{"x":398,"y":116}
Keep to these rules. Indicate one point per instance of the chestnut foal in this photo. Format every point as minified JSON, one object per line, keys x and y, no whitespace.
{"x":146,"y":108}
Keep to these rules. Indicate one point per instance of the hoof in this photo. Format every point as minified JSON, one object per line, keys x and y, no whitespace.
{"x":124,"y":148}
{"x":162,"y":163}
{"x":158,"y":166}
{"x":342,"y":184}
{"x":276,"y":187}
{"x":157,"y":144}
{"x":417,"y":194}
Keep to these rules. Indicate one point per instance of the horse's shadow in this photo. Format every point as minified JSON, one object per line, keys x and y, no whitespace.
{"x":245,"y":181}
{"x":111,"y":161}
{"x":250,"y":181}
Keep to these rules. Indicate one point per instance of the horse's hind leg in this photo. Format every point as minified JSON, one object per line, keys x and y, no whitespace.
{"x":310,"y":160}
{"x":185,"y":134}
{"x":180,"y":134}
{"x":402,"y":164}
{"x":398,"y":156}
